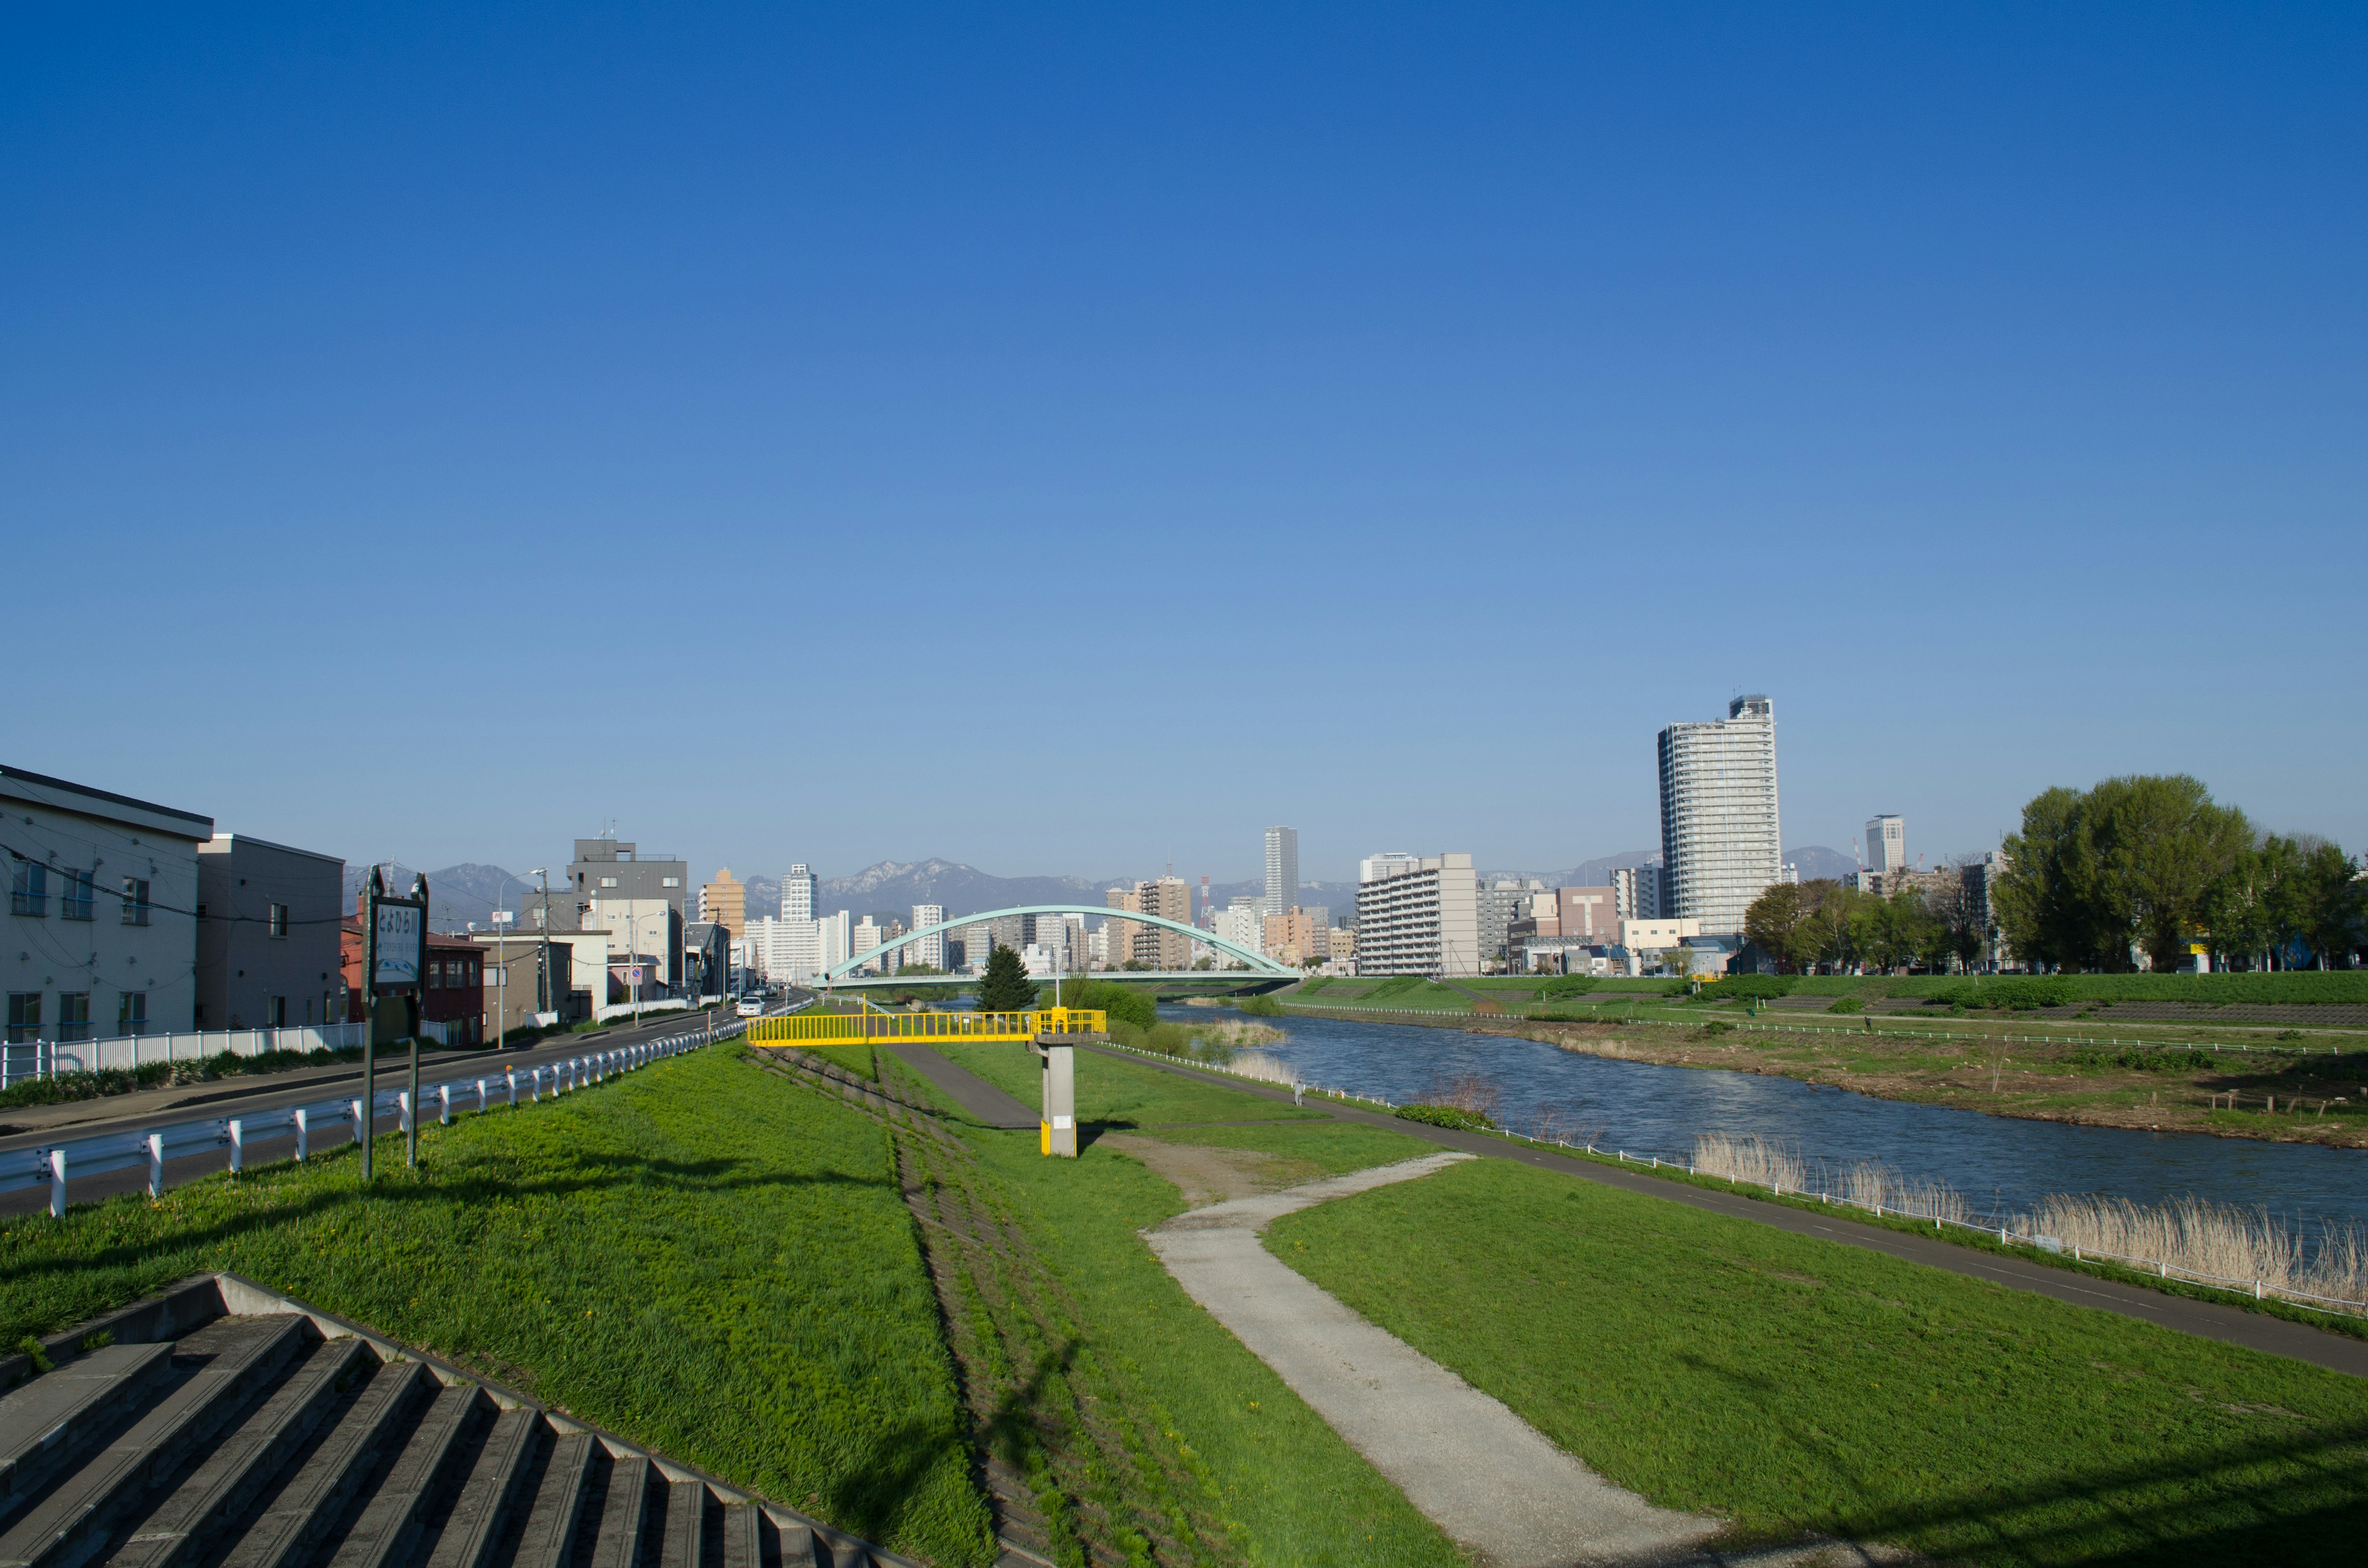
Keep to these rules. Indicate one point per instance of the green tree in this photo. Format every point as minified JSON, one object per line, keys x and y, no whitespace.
{"x":1005,"y":988}
{"x":2327,"y":902}
{"x":1828,"y":936}
{"x":2045,"y":899}
{"x":2162,"y":845}
{"x":1774,"y":922}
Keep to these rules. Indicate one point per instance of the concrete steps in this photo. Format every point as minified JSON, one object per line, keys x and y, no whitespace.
{"x":275,"y":1436}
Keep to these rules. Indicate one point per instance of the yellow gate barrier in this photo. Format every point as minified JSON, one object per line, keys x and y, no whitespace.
{"x":888,"y":1028}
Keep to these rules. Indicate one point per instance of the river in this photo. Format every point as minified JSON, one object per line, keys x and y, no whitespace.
{"x":2000,"y":1164}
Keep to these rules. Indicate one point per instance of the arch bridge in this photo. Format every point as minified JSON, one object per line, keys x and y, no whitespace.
{"x":1260,"y":965}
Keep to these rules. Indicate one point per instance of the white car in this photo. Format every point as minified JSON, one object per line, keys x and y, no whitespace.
{"x":752,"y":1005}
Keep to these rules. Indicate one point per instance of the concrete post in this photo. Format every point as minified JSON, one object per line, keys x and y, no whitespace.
{"x":237,"y":1145}
{"x":155,"y":1167}
{"x":1057,"y":1134}
{"x":304,"y":1135}
{"x":57,"y":1184}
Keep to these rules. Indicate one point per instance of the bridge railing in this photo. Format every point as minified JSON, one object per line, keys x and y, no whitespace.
{"x":819,"y":1028}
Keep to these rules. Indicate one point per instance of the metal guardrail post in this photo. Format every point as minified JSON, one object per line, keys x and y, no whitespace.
{"x":155,"y":1167}
{"x":237,"y":1145}
{"x":304,"y":1134}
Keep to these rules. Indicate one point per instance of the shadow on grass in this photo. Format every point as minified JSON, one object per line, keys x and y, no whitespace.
{"x":728,"y":1174}
{"x":2295,"y":1500}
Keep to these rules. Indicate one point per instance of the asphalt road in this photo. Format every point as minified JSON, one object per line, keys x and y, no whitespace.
{"x":234,"y":1096}
{"x":2206,"y":1319}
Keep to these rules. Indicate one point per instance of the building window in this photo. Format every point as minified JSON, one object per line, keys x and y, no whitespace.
{"x":73,"y":1015}
{"x":24,"y":1016}
{"x":275,"y":919}
{"x":131,"y":1013}
{"x":435,"y":975}
{"x":274,"y":1012}
{"x":74,"y":895}
{"x":669,"y":882}
{"x":608,"y":882}
{"x":135,"y":902}
{"x":29,"y":892}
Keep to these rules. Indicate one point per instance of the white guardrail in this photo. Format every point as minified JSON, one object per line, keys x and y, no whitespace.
{"x":55,"y":1164}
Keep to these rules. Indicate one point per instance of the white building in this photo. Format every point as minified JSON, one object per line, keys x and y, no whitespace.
{"x":798,"y":894}
{"x":1886,"y":844}
{"x":103,"y":906}
{"x":870,"y":934}
{"x":1390,"y":863}
{"x":1422,"y":921}
{"x":929,"y":949}
{"x":1242,"y":923}
{"x":1657,"y":936}
{"x":639,"y":927}
{"x":1282,"y":869}
{"x":1636,"y":892}
{"x":1719,"y":838}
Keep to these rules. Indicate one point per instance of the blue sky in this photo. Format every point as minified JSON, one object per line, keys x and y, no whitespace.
{"x":1072,"y":439}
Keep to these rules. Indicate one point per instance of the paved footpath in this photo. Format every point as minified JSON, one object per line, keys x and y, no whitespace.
{"x":1473,"y":1468}
{"x":2206,"y":1319}
{"x":967,"y":1089}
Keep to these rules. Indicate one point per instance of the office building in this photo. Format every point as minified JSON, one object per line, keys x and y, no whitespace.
{"x":928,"y":949}
{"x":647,"y":931}
{"x":1636,"y":892}
{"x":1390,"y":863}
{"x":1144,"y":945}
{"x":1282,"y":869}
{"x":1501,"y":903}
{"x":1240,"y":924}
{"x":1587,"y":914}
{"x":797,"y":892}
{"x":868,"y":934}
{"x":1720,"y":837}
{"x":1886,"y":844}
{"x":1423,"y":921}
{"x":100,"y":890}
{"x":724,"y":902}
{"x":267,"y":948}
{"x":607,"y":868}
{"x":1655,"y":935}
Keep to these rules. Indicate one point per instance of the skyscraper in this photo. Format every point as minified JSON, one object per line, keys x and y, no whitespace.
{"x":1720,"y":840}
{"x":1886,"y":844}
{"x":798,"y":894}
{"x":1282,"y":869}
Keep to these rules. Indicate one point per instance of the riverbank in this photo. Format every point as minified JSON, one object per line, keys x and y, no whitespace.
{"x":2077,"y":1079}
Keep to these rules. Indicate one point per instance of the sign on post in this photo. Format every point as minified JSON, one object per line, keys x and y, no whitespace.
{"x":400,"y":927}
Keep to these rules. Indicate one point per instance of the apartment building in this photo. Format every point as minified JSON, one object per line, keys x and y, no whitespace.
{"x":608,"y":868}
{"x":1720,"y":836}
{"x":929,"y":949}
{"x":1297,"y":935}
{"x":1148,"y":946}
{"x":724,"y":902}
{"x":267,"y":942}
{"x":1501,"y":903}
{"x":1636,"y":892}
{"x":102,"y":899}
{"x":1282,"y":869}
{"x":1420,"y":921}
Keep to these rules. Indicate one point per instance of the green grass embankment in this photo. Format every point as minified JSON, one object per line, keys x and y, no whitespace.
{"x":696,"y":1255}
{"x":1794,"y":1384}
{"x":1218,"y":1438}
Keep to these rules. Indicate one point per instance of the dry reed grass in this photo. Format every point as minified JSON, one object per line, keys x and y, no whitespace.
{"x":2220,"y":1241}
{"x":1758,"y":1160}
{"x":1263,"y":1067}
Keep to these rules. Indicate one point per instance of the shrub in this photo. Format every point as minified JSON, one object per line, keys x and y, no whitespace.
{"x":1751,"y":987}
{"x":2023,"y":993}
{"x":1261,"y":1006}
{"x":2144,"y":1060}
{"x":1564,"y":985}
{"x":1123,"y":1004}
{"x":1448,"y":1116}
{"x":1847,"y":1005}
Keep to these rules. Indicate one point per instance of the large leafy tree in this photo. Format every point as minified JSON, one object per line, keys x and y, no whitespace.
{"x":1774,"y":922}
{"x":2045,"y":899}
{"x":1005,"y":988}
{"x":2328,"y":901}
{"x":2162,"y":845}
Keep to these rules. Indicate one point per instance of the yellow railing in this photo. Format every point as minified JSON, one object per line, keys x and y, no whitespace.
{"x":852,"y":1028}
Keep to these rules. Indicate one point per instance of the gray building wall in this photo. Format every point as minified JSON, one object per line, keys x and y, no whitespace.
{"x":606,"y":868}
{"x":246,"y":956}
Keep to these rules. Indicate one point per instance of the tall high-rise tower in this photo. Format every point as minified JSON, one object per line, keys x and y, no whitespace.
{"x":1721,"y":844}
{"x":1886,"y":844}
{"x":1282,"y":869}
{"x":798,"y":894}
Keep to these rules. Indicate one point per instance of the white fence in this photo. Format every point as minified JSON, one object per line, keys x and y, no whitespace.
{"x":55,"y":1164}
{"x":44,"y":1059}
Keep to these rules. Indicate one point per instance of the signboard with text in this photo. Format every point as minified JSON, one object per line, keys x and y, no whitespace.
{"x":400,"y":937}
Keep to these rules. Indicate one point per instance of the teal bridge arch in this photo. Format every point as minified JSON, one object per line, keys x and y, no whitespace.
{"x":1259,"y":963}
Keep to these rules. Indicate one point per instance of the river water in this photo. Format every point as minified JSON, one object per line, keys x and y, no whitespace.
{"x":2000,"y":1164}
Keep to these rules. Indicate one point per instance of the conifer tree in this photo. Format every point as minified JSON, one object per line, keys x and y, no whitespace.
{"x":1005,"y":987}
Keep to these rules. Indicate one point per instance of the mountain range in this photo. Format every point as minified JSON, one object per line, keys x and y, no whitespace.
{"x":466,"y":894}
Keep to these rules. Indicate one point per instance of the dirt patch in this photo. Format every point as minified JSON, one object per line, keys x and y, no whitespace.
{"x":1205,"y":1175}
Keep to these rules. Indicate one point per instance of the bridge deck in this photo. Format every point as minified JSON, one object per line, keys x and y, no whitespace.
{"x":888,"y":1028}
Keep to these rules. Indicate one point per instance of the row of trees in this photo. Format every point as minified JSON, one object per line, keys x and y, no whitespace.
{"x":2155,"y":863}
{"x":2140,"y":864}
{"x":1825,"y":924}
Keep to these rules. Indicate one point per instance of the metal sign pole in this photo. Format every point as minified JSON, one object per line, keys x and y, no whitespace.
{"x":370,"y":890}
{"x":417,"y":1021}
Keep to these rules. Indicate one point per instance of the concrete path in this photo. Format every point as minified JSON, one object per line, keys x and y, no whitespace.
{"x":967,"y":1089}
{"x":1473,"y":1467}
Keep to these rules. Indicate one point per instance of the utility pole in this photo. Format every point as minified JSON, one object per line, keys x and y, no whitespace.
{"x":368,"y":1128}
{"x":418,"y":1021}
{"x":549,"y":1004}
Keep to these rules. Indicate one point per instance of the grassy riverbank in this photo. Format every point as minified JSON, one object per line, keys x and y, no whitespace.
{"x":1791,"y":1384}
{"x":695,"y":1256}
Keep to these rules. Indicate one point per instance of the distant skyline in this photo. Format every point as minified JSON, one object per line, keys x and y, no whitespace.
{"x":427,"y":435}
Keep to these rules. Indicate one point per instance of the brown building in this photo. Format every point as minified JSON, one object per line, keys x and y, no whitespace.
{"x":1151,"y":946}
{"x":452,"y":994}
{"x":1297,"y":935}
{"x":724,"y":902}
{"x":1589,"y":914}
